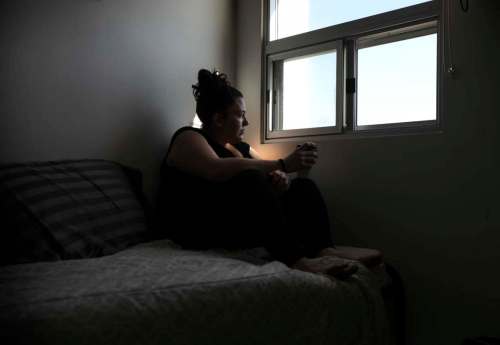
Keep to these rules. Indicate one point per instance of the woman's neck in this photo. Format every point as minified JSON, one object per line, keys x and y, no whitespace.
{"x":219,"y":139}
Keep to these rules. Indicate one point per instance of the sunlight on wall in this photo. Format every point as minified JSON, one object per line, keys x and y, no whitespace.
{"x":196,"y":123}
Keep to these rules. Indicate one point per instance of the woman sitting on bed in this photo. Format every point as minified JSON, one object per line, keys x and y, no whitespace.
{"x":220,"y":194}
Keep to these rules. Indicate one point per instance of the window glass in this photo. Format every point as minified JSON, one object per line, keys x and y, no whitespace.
{"x":309,"y":91}
{"x":292,"y":17}
{"x":397,"y":82}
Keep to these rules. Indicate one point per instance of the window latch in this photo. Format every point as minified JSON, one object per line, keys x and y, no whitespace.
{"x":350,"y":85}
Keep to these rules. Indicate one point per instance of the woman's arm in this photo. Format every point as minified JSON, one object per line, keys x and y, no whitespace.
{"x":304,"y":157}
{"x":254,"y":154}
{"x":192,"y":153}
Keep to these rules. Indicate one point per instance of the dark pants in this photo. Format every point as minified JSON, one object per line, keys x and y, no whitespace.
{"x":246,"y":212}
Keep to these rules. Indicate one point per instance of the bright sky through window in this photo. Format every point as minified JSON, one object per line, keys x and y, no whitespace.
{"x":309,"y":91}
{"x":397,"y":81}
{"x":299,"y":16}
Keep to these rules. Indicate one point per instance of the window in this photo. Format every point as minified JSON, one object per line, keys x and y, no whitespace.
{"x":306,"y":90}
{"x":336,"y":67}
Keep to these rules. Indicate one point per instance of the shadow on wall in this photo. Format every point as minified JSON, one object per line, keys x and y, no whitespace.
{"x":140,"y":142}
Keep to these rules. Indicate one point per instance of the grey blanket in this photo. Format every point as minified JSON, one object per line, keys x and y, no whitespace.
{"x":158,"y":293}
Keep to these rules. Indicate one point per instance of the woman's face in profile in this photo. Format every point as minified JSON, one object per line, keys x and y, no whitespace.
{"x":235,"y":121}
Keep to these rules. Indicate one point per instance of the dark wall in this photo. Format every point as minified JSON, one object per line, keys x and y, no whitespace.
{"x":431,"y":202}
{"x":105,"y":79}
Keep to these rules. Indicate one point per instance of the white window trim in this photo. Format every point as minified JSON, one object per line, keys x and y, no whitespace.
{"x":384,"y":27}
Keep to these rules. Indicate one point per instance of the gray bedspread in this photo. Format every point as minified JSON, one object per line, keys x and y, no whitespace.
{"x":158,"y":293}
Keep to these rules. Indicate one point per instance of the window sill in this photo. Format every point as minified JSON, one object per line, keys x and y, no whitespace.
{"x":349,"y":135}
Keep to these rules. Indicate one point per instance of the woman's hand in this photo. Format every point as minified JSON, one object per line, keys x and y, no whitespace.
{"x":304,"y":157}
{"x":279,"y":181}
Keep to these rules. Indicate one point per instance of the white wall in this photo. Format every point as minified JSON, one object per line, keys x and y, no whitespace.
{"x":105,"y":79}
{"x":430,"y":202}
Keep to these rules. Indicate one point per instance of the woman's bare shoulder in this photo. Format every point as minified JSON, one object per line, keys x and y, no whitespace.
{"x":188,"y":143}
{"x":188,"y":134}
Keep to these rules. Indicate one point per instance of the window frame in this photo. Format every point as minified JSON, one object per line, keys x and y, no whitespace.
{"x":400,"y":34}
{"x":275,"y":102}
{"x":400,"y":23}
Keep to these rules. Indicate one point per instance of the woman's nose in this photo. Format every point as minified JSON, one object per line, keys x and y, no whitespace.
{"x":245,"y":122}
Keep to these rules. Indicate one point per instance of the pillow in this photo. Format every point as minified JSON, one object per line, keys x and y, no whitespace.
{"x":135,"y":178}
{"x":86,"y":208}
{"x":24,"y":239}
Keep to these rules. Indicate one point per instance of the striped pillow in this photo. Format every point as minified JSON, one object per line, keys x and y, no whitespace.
{"x":23,"y":239}
{"x":87,"y":208}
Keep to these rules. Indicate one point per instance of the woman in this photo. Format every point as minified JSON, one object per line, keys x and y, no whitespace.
{"x":219,"y":193}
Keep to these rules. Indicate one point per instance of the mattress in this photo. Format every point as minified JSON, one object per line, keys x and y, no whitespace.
{"x":159,"y":293}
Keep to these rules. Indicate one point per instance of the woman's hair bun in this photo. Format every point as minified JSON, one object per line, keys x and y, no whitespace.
{"x":205,"y":77}
{"x":210,"y":83}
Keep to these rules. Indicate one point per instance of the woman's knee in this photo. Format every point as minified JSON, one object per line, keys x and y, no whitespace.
{"x":302,"y":189}
{"x":304,"y":184}
{"x":255,"y":190}
{"x":252,"y":180}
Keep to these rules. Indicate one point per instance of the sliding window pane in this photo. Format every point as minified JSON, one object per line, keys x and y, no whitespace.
{"x":397,"y":82}
{"x":309,"y":91}
{"x":292,"y":17}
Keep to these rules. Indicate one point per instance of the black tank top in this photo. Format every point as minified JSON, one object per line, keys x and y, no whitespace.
{"x":220,"y":150}
{"x":179,"y":191}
